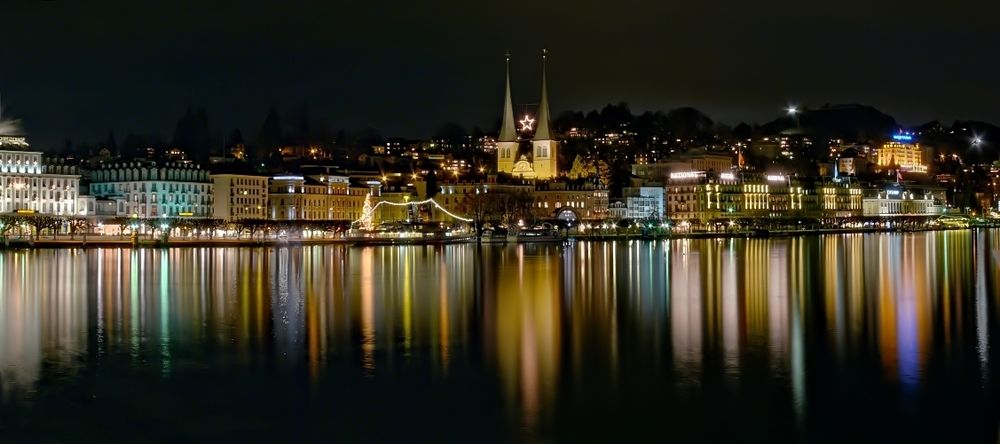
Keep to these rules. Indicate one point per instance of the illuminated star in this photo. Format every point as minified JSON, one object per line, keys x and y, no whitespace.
{"x":526,"y":123}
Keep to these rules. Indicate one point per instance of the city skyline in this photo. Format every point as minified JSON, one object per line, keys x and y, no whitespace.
{"x":127,"y":67}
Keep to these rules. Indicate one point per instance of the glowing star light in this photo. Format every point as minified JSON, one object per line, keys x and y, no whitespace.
{"x":526,"y":123}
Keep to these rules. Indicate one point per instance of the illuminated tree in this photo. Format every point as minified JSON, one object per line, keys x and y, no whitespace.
{"x":582,"y":168}
{"x":8,"y":222}
{"x":367,"y":212}
{"x":79,"y":225}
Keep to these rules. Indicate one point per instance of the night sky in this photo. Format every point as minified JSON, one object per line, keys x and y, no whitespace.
{"x":74,"y":70}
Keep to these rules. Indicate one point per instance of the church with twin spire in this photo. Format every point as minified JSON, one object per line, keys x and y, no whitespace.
{"x":543,"y":161}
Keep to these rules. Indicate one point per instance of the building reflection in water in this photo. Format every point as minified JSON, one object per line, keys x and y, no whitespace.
{"x":544,"y":318}
{"x":43,"y":315}
{"x":528,"y":306}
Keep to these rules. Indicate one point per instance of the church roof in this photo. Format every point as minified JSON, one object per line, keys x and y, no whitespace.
{"x":543,"y":132}
{"x":508,"y":132}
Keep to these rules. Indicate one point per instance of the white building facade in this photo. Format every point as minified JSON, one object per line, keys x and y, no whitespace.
{"x":144,"y":189}
{"x":26,"y":188}
{"x":896,"y":201}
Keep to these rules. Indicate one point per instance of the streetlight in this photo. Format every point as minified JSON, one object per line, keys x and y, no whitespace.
{"x":977,"y":141}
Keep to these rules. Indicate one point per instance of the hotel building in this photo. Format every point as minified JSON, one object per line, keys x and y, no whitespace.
{"x":27,"y":187}
{"x":322,"y":197}
{"x":903,"y":153}
{"x":700,"y":197}
{"x":144,"y":189}
{"x":896,"y":200}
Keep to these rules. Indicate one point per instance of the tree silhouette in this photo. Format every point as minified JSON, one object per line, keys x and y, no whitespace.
{"x":111,"y":144}
{"x":432,"y":185}
{"x":192,"y":134}
{"x":689,"y":124}
{"x":269,"y":139}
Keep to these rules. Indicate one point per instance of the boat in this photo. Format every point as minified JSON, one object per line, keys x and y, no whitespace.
{"x":538,"y":235}
{"x":497,"y":236}
{"x":410,"y":234}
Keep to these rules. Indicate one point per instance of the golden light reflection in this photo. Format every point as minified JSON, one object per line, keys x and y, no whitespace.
{"x":528,"y":331}
{"x":686,"y":312}
{"x":546,"y":320}
{"x":367,"y":286}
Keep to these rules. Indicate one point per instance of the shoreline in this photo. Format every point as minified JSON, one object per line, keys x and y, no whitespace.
{"x":765,"y":234}
{"x":116,"y":242}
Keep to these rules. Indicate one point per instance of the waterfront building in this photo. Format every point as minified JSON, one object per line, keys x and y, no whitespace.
{"x":321,"y":197}
{"x":543,"y":163}
{"x":785,"y":195}
{"x":700,"y":197}
{"x":585,"y":200}
{"x":902,"y":153}
{"x":239,"y":196}
{"x":896,"y":200}
{"x":145,"y":189}
{"x":30,"y":187}
{"x":643,"y":202}
{"x":836,"y":199}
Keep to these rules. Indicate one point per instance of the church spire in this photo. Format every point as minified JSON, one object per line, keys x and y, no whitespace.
{"x":543,"y":133}
{"x":508,"y":132}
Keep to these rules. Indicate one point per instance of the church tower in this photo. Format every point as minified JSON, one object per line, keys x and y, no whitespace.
{"x":507,"y":141}
{"x":545,"y":149}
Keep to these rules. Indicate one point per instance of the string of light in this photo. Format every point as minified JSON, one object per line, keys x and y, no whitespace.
{"x":421,"y":202}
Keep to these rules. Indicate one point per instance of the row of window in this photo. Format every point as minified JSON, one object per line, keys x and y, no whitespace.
{"x":153,"y":187}
{"x":145,"y":174}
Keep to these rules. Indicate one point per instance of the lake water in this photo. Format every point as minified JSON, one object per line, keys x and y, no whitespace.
{"x":841,"y":338}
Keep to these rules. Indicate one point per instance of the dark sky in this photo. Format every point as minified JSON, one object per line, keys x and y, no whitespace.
{"x":74,"y":69}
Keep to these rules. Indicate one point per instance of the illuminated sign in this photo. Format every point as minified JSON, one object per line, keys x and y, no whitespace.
{"x":185,"y":214}
{"x":892,"y":192}
{"x":727,"y":176}
{"x":287,"y":178}
{"x":25,"y":211}
{"x":902,"y":137}
{"x":687,"y":175}
{"x":775,"y":177}
{"x":13,"y":140}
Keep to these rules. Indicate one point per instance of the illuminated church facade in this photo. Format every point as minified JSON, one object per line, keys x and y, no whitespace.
{"x":543,"y":163}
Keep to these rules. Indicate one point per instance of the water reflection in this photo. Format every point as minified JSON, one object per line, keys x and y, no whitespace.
{"x":552,"y":324}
